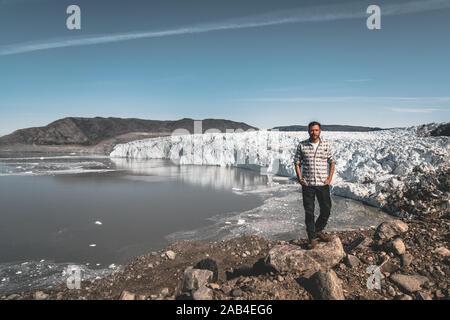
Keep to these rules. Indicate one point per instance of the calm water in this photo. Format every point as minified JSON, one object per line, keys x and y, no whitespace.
{"x":124,"y":213}
{"x":100,"y":212}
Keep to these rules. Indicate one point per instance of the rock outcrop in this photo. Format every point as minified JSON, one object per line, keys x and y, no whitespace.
{"x":389,"y":229}
{"x":195,"y":279}
{"x":286,"y":258}
{"x":409,"y":283}
{"x":327,"y":285}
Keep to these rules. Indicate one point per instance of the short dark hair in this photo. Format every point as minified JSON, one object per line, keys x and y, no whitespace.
{"x":314,"y":123}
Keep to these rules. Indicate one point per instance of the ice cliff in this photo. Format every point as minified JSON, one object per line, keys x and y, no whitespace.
{"x":368,"y":165}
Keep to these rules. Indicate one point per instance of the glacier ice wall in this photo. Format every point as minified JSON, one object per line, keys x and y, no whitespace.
{"x":368,"y":164}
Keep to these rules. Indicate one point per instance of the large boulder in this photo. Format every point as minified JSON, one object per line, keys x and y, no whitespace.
{"x":285,"y":258}
{"x":196,"y":278}
{"x":409,"y":283}
{"x":170,"y":254}
{"x":390,"y":266}
{"x":397,"y":246}
{"x":126,"y":295}
{"x":442,"y":251}
{"x":390,"y":229}
{"x":209,"y":264}
{"x":327,"y":285}
{"x":352,"y":261}
{"x":407,"y":258}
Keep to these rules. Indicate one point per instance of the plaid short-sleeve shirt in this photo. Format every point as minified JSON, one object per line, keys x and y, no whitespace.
{"x":314,"y":164}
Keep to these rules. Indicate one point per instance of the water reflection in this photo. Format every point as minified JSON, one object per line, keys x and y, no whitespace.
{"x":206,"y":176}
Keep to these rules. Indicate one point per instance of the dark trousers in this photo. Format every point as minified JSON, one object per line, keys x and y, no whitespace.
{"x":323,"y":196}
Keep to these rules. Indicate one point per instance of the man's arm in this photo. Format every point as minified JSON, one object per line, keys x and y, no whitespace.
{"x":330,"y":160}
{"x":330,"y":175}
{"x":299,"y":175}
{"x":297,"y":161}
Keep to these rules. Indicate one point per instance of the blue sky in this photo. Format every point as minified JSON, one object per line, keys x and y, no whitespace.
{"x":266,"y":63}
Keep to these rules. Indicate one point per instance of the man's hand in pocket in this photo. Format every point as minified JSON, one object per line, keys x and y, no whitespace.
{"x":303,"y":182}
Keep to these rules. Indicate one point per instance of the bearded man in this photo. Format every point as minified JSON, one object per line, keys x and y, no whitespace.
{"x":312,"y":159}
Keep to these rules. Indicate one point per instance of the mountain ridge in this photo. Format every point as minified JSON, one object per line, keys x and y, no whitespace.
{"x":91,"y":131}
{"x":329,"y":127}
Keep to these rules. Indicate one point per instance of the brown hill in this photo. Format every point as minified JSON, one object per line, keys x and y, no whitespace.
{"x":91,"y":131}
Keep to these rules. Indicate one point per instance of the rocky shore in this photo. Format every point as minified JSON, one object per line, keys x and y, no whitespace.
{"x":409,"y":258}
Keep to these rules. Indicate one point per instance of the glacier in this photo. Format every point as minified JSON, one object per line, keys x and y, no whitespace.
{"x":369,"y":165}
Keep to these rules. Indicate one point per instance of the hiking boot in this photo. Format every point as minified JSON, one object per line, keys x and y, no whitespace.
{"x":313,"y":243}
{"x":325,"y":237}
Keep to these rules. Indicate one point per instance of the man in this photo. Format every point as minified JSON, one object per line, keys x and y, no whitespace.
{"x":313,"y":156}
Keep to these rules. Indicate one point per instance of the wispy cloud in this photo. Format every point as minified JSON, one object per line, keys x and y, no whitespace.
{"x":423,"y":100}
{"x":358,"y":80}
{"x":285,"y":89}
{"x":417,"y":110}
{"x":11,"y":2}
{"x":341,"y":11}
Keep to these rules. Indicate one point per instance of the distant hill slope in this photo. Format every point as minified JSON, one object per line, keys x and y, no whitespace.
{"x":330,"y":127}
{"x":441,"y":130}
{"x":91,"y":131}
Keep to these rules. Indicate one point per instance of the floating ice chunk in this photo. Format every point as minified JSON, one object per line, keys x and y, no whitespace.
{"x":19,"y":272}
{"x":97,"y":264}
{"x":98,"y":222}
{"x":236,"y":189}
{"x":92,"y":245}
{"x":4,"y":279}
{"x":42,"y":260}
{"x":227,"y":222}
{"x":112,"y":266}
{"x":241,"y":221}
